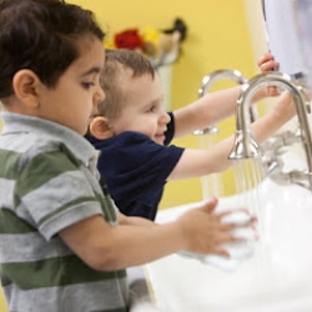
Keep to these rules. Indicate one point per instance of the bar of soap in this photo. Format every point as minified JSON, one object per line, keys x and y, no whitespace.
{"x":238,"y":251}
{"x":237,"y":217}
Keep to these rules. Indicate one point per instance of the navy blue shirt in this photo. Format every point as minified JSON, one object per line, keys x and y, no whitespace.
{"x":135,"y":169}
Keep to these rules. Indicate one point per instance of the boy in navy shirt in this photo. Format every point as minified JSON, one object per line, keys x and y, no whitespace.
{"x":133,"y":131}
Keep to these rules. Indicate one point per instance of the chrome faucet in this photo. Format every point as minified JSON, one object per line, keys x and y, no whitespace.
{"x":245,"y":145}
{"x":206,"y":84}
{"x":212,"y":185}
{"x":208,"y":80}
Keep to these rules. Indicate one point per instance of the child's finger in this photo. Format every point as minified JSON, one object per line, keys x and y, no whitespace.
{"x":265,"y":58}
{"x":252,"y":223}
{"x":268,"y":66}
{"x":226,"y":237}
{"x":238,"y":215}
{"x":218,"y":250}
{"x":210,"y":206}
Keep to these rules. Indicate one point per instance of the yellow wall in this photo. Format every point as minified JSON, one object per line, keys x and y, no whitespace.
{"x":3,"y":307}
{"x":218,"y":38}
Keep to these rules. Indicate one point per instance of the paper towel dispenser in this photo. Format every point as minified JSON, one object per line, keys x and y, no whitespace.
{"x":282,"y":37}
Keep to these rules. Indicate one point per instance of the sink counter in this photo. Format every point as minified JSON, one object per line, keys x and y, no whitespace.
{"x":278,"y":278}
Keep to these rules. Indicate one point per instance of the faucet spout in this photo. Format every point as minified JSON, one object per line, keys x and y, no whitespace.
{"x":209,"y":80}
{"x":216,"y":75}
{"x":245,"y":145}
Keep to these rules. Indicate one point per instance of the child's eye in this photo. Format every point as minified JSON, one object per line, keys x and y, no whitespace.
{"x":88,"y":85}
{"x":152,"y":109}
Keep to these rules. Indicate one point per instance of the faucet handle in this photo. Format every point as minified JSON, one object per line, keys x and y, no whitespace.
{"x":207,"y":130}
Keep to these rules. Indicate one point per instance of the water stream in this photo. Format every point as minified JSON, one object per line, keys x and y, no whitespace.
{"x":248,"y":177}
{"x":211,"y":184}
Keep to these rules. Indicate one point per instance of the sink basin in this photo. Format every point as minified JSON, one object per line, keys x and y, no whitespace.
{"x":277,"y":278}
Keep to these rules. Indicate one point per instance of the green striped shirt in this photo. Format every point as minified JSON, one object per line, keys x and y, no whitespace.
{"x":47,"y":183}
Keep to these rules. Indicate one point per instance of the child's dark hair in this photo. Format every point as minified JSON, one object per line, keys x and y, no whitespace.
{"x":115,"y":62}
{"x":40,"y":35}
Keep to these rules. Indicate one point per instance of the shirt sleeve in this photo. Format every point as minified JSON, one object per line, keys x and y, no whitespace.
{"x":170,"y":129}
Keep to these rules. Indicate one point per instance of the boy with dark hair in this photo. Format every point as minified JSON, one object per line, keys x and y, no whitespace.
{"x":63,"y":244}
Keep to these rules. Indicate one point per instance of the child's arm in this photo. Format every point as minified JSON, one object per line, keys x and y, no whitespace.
{"x":137,"y":221}
{"x":208,"y":110}
{"x":104,"y":247}
{"x":195,"y":163}
{"x":216,"y":106}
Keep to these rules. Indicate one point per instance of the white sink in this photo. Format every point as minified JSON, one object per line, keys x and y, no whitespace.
{"x":277,"y":279}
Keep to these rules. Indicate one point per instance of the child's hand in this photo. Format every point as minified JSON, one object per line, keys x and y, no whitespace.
{"x":205,"y":232}
{"x":266,"y":64}
{"x":285,"y":107}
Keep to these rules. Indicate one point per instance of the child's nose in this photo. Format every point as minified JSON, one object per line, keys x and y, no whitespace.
{"x":99,"y":95}
{"x":164,"y":118}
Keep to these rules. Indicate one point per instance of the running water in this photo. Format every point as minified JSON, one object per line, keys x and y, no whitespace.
{"x":248,"y":177}
{"x":211,"y":184}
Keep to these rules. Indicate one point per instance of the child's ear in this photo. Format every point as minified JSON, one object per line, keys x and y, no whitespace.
{"x":25,"y":84}
{"x":100,"y":128}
